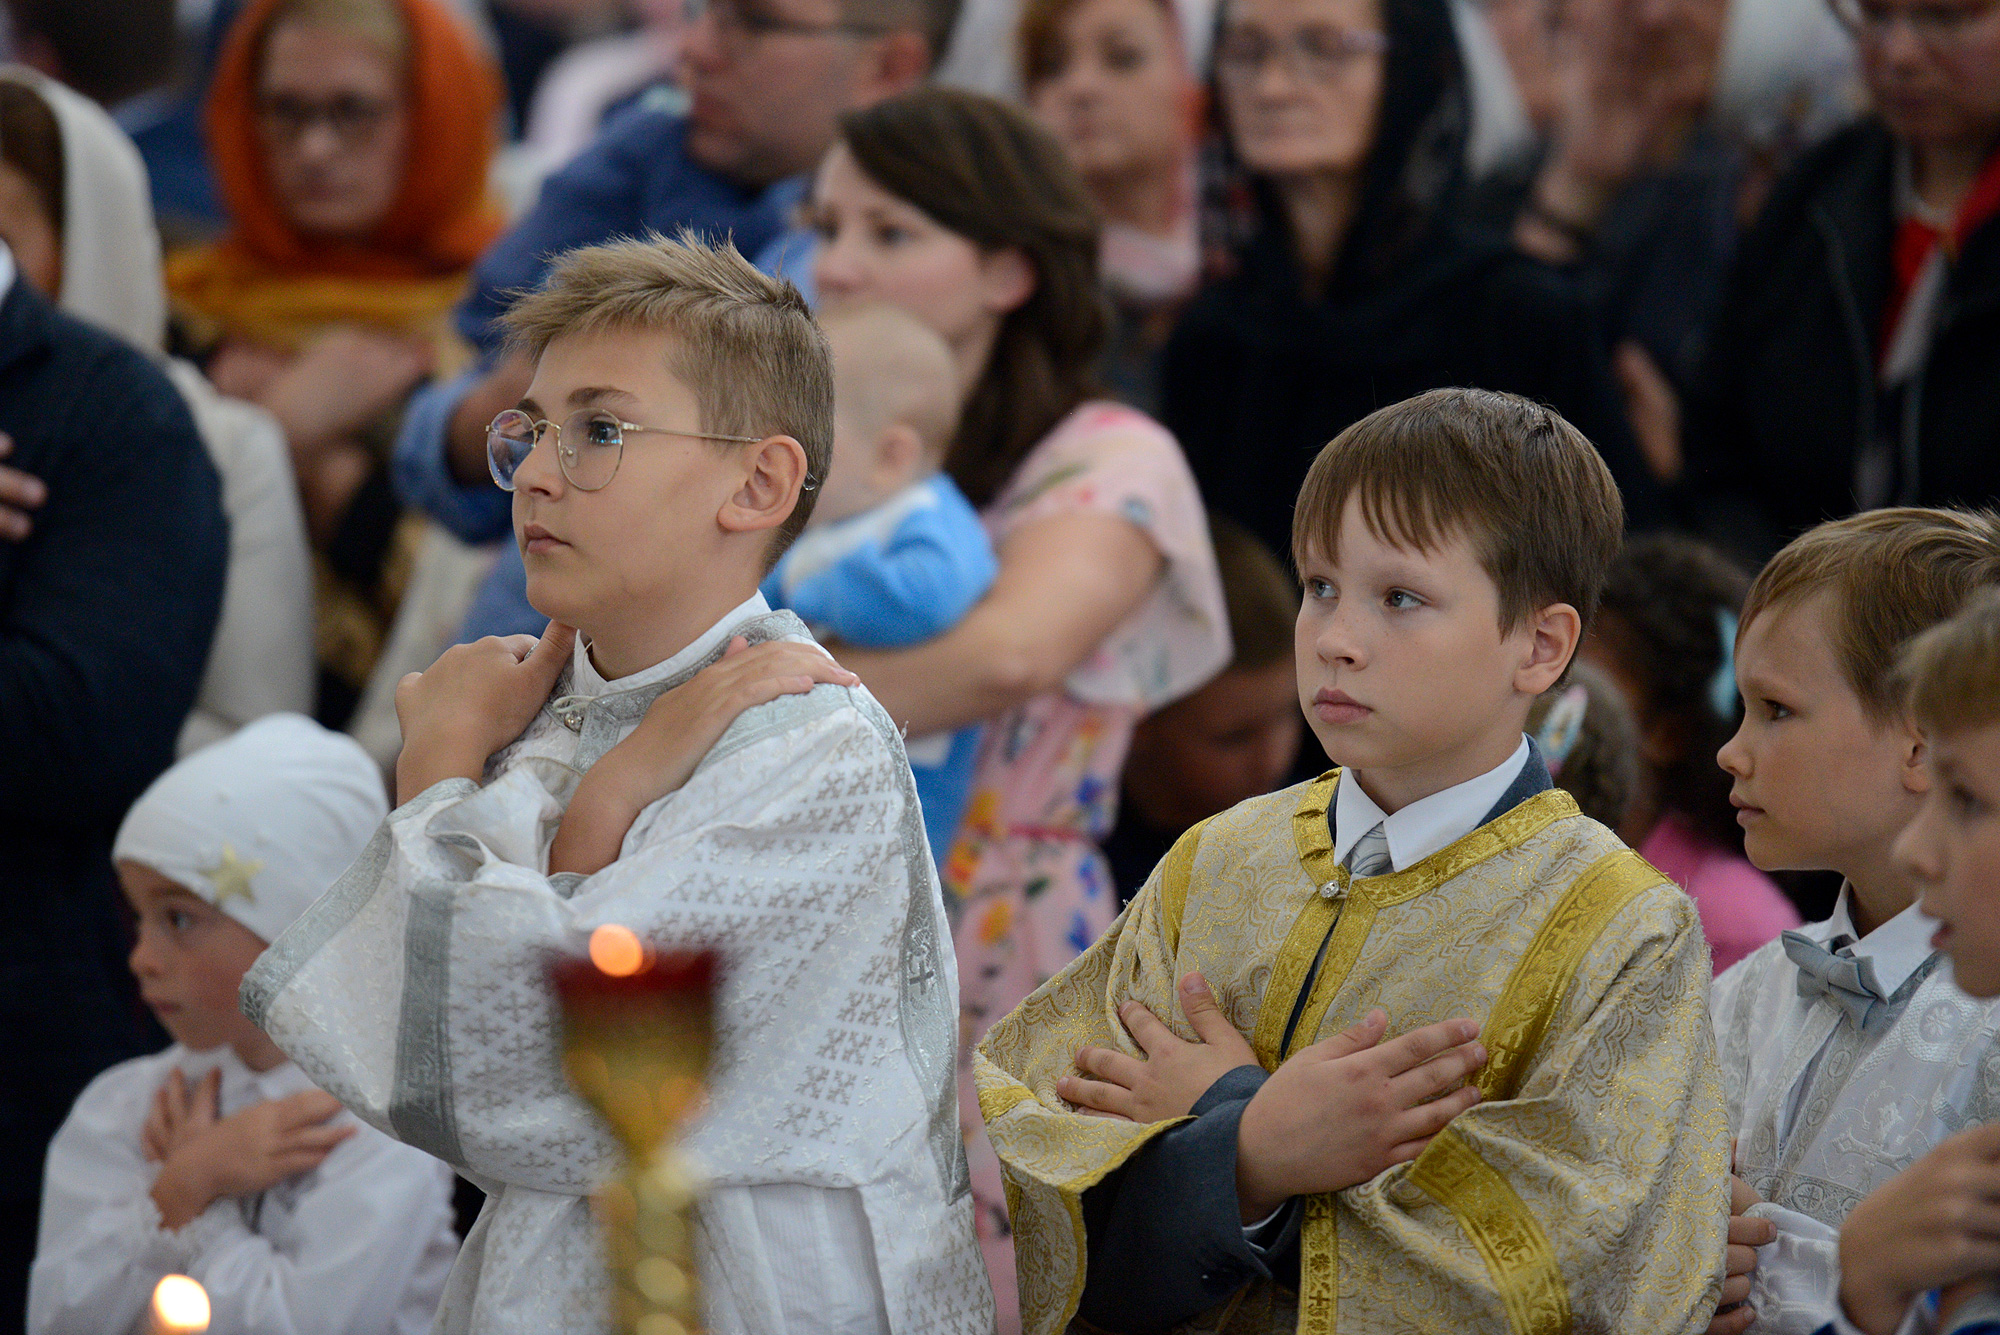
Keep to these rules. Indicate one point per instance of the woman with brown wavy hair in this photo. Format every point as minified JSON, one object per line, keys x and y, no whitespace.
{"x":965,"y":211}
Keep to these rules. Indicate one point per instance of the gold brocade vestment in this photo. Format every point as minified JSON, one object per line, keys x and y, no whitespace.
{"x":1586,"y":1192}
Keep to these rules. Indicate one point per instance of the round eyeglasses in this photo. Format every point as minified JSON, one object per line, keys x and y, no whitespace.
{"x":590,"y":444}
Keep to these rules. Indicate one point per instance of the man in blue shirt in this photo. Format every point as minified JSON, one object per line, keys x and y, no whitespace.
{"x":766,"y":82}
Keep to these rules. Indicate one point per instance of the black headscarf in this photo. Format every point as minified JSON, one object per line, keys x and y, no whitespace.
{"x":1259,"y":375}
{"x":1414,"y":172}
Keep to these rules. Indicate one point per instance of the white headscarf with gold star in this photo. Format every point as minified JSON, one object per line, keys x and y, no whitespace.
{"x":261,"y":823}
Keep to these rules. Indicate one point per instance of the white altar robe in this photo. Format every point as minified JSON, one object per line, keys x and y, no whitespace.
{"x":415,"y":991}
{"x":357,"y":1246}
{"x":1825,"y":1113}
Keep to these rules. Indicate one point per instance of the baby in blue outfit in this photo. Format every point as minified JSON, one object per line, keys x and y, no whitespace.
{"x":894,"y":554}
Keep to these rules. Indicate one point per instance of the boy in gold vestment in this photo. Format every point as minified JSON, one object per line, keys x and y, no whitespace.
{"x":1451,"y":548}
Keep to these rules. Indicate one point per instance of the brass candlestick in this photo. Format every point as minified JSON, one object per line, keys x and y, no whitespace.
{"x":637,"y":1027}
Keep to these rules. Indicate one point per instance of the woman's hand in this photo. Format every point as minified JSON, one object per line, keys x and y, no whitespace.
{"x":680,"y":727}
{"x":342,"y":383}
{"x":1065,"y":583}
{"x":1173,"y":1075}
{"x":474,"y":700}
{"x":1634,"y":75}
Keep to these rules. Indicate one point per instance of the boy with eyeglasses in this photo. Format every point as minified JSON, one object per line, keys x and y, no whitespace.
{"x":690,"y":765}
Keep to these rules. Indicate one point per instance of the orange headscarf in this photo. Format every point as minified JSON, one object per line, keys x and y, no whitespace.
{"x":264,"y":274}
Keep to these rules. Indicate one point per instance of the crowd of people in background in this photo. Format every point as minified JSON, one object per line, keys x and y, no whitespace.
{"x":1101,"y":278}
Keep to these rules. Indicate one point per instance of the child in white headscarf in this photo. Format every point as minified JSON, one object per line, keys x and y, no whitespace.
{"x":217,"y":1157}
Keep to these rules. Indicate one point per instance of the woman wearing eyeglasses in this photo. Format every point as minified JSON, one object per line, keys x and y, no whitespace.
{"x":351,"y":140}
{"x":1856,"y":362}
{"x":1351,"y":283}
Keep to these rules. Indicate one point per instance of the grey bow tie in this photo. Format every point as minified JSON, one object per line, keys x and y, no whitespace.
{"x":1837,"y":975}
{"x":1370,"y":854}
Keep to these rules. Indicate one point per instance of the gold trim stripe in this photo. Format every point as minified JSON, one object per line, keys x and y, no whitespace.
{"x":1502,"y":1228}
{"x":995,"y":1104}
{"x":1288,"y":976}
{"x":1319,"y":1266}
{"x":1175,"y":871}
{"x":1546,"y":968}
{"x":1349,"y":935}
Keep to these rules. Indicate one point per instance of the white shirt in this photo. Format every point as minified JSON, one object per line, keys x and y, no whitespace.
{"x":1428,"y":824}
{"x":838,"y":1199}
{"x":1826,"y":1113}
{"x":360,"y":1245}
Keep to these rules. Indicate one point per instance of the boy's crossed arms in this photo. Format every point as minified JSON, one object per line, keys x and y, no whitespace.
{"x":479,"y":697}
{"x":1333,"y":1115}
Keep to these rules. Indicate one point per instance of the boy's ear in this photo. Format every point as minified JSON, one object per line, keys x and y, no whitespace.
{"x":1553,"y":634}
{"x":774,"y":473}
{"x":1916,"y":759}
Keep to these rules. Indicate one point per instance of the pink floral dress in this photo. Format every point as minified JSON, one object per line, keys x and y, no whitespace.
{"x":1030,"y":888}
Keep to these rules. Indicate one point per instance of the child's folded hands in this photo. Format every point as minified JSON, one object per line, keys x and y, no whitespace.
{"x":204,"y":1156}
{"x":1172,"y":1075}
{"x":678,"y":730}
{"x":1350,"y":1106}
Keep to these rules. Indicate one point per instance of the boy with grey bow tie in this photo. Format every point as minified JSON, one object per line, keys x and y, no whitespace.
{"x":1846,"y":1052}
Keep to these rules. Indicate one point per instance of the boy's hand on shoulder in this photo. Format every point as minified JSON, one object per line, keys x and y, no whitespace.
{"x":1734,"y":1315}
{"x":474,"y":700}
{"x":1173,"y":1075}
{"x":680,"y":727}
{"x":1935,"y":1223}
{"x":1348,"y":1107}
{"x":244,"y":1153}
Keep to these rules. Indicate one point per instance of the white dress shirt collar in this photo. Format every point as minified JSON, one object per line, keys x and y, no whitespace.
{"x":586,"y":680}
{"x":1897,"y":947}
{"x":7,"y":271}
{"x":1428,"y":824}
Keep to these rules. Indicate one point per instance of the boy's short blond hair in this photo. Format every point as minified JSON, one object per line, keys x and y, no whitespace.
{"x":1950,"y":674}
{"x":1891,"y":575}
{"x":1523,"y":485}
{"x":892,"y":369}
{"x":743,"y":342}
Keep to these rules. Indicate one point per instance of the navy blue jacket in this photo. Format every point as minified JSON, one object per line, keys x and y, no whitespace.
{"x":106,"y":615}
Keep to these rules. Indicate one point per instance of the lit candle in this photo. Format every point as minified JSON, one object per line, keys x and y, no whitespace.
{"x":180,"y":1306}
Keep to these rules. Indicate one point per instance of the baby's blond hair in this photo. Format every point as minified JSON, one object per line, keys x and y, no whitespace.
{"x":891,"y":369}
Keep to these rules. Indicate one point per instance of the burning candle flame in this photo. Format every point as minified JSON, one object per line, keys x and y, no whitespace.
{"x":180,"y":1306}
{"x":617,"y":950}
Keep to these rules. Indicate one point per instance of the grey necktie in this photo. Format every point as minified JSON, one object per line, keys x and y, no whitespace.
{"x":1836,"y":974}
{"x":1370,"y":854}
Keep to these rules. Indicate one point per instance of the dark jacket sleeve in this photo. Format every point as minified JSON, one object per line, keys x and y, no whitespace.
{"x":111,"y":603}
{"x":1547,"y":336}
{"x":1165,"y":1233}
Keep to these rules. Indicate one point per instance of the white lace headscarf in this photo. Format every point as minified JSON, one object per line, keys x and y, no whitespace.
{"x":110,"y":249}
{"x":261,"y":823}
